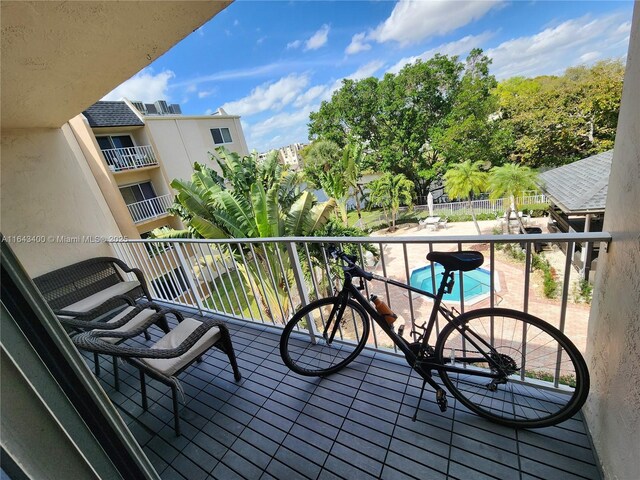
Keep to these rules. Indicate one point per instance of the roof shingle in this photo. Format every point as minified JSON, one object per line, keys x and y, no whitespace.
{"x":581,"y":186}
{"x":111,"y":114}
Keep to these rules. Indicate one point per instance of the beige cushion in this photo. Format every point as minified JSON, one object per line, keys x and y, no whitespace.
{"x":99,"y":298}
{"x":169,"y":366}
{"x":132,"y":324}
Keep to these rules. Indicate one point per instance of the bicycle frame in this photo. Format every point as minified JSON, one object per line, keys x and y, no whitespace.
{"x":422,"y":364}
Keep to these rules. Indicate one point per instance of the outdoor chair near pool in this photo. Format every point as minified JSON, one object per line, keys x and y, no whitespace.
{"x":168,"y":357}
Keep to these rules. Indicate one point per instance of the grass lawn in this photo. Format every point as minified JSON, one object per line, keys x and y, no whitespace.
{"x":230,"y":305}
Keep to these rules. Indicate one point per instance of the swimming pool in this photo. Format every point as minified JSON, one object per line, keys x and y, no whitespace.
{"x":476,"y":283}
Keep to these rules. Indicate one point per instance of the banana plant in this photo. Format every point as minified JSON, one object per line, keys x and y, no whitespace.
{"x":254,"y":200}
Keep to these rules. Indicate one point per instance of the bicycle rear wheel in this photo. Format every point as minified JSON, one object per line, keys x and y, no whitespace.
{"x":317,"y":355}
{"x":544,"y":378}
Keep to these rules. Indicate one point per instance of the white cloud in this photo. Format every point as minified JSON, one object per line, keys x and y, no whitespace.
{"x":412,"y":21}
{"x":208,"y":111}
{"x":261,"y":40}
{"x":143,"y":86}
{"x":310,"y":95}
{"x":192,"y":88}
{"x":236,"y":23}
{"x":552,"y":50}
{"x":206,"y":93}
{"x":269,"y":96}
{"x":357,"y":44}
{"x":294,"y":44}
{"x":280,"y":129}
{"x":318,"y":39}
{"x":458,"y":47}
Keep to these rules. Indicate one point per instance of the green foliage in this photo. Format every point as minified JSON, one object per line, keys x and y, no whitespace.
{"x":511,"y":180}
{"x":583,"y":291}
{"x":390,"y":192}
{"x":465,"y":180}
{"x":556,"y":120}
{"x":536,"y":209}
{"x":334,"y":170}
{"x":258,"y":199}
{"x":549,"y":283}
{"x":393,"y":117}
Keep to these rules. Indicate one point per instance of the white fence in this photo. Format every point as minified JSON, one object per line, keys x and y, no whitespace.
{"x":482,"y":206}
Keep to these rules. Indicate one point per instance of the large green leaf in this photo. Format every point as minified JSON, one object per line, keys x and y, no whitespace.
{"x":239,"y":208}
{"x":294,"y":223}
{"x":207,"y":229}
{"x":318,"y":217}
{"x":260,"y":211}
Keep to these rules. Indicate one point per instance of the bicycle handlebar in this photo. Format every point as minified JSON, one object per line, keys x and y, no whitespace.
{"x":355,"y":269}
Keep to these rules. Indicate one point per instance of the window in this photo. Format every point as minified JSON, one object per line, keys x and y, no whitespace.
{"x":221,"y":135}
{"x":137,"y":192}
{"x":115,"y":141}
{"x":170,"y":285}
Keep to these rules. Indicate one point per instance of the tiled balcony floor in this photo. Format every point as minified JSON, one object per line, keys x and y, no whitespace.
{"x":354,"y":425}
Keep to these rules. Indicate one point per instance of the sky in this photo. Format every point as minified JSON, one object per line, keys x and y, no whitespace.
{"x":274,"y":62}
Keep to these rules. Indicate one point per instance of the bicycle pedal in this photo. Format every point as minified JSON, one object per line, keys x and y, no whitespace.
{"x":441,"y":400}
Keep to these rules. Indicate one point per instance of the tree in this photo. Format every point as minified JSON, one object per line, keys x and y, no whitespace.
{"x":556,"y":120}
{"x":465,"y":180}
{"x":392,"y":117}
{"x":335,"y":171}
{"x":511,"y":180}
{"x":390,"y":192}
{"x":471,"y":128}
{"x":262,"y":200}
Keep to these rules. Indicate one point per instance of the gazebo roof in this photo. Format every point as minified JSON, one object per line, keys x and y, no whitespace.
{"x":581,"y":186}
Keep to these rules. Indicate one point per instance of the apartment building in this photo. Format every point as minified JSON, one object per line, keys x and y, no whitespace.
{"x":289,"y":155}
{"x":137,"y":149}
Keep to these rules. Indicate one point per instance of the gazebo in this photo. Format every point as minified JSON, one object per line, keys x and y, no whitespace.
{"x":578,"y":194}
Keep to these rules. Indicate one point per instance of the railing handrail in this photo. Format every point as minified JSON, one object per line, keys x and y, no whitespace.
{"x":146,"y":148}
{"x":159,"y":198}
{"x":510,"y":238}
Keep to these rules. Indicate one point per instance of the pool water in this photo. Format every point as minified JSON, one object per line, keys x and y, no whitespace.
{"x":476,"y":283}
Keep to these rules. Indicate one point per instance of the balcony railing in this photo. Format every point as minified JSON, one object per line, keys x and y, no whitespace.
{"x":150,"y":208}
{"x":129,"y":158}
{"x":266,"y":280}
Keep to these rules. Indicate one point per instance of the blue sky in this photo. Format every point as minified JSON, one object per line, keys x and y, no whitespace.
{"x":274,"y":62}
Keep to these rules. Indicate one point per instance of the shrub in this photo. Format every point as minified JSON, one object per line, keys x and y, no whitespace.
{"x":536,"y":209}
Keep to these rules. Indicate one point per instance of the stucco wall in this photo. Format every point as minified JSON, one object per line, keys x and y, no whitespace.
{"x":185,"y":140}
{"x":47,"y":189}
{"x":613,"y":351}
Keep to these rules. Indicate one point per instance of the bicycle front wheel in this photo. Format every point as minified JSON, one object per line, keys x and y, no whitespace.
{"x":320,"y":339}
{"x":541,"y":377}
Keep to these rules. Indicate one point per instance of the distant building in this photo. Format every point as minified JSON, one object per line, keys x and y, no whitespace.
{"x":289,"y":155}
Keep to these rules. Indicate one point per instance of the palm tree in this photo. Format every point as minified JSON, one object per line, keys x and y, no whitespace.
{"x":390,"y":192}
{"x":465,"y":180}
{"x":263,"y":200}
{"x":511,"y":180}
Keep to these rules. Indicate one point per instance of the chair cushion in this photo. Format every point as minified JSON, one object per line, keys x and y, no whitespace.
{"x":99,"y":298}
{"x":130,"y":325}
{"x":169,"y":366}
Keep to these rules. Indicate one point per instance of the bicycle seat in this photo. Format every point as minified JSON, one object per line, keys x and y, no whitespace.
{"x":452,"y":261}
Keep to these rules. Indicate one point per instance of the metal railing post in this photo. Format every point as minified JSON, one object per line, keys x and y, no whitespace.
{"x":301,"y":285}
{"x":188,"y":272}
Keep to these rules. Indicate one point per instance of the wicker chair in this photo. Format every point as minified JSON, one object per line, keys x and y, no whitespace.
{"x":125,"y":320}
{"x":169,"y":356}
{"x":83,"y":289}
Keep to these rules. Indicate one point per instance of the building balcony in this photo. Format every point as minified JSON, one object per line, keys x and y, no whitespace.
{"x":356,"y":423}
{"x":150,"y":208}
{"x":130,"y":158}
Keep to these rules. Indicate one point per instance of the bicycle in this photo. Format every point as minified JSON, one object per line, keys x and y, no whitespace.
{"x":505,"y":365}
